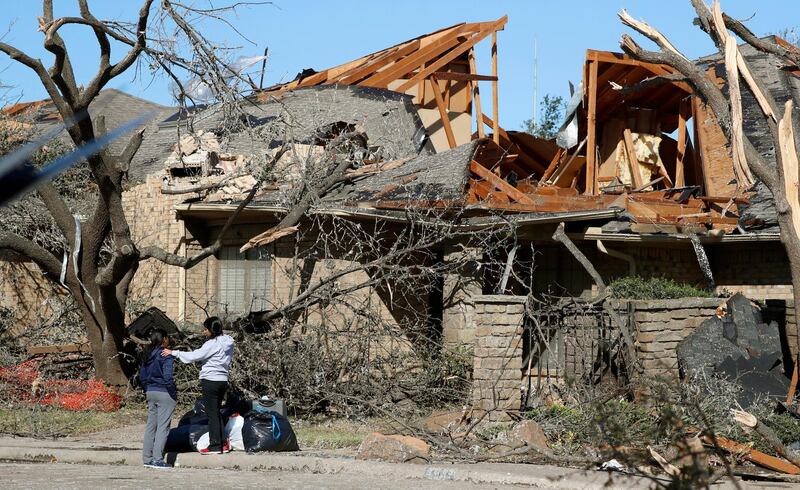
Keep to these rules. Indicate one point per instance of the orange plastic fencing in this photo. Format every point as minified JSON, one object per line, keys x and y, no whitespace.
{"x":22,"y":382}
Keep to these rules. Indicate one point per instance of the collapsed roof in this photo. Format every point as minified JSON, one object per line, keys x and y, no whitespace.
{"x":656,"y":153}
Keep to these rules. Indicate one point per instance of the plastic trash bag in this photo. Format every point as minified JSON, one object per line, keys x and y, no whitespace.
{"x":185,"y":438}
{"x":268,"y":432}
{"x":233,"y":432}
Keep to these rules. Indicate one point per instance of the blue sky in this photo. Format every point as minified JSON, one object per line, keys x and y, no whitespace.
{"x":320,"y":34}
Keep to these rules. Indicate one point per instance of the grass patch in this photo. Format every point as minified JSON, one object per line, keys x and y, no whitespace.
{"x":332,"y":433}
{"x":638,"y":287}
{"x":49,"y":422}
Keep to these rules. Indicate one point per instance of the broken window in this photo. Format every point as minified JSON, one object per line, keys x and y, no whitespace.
{"x":245,"y":280}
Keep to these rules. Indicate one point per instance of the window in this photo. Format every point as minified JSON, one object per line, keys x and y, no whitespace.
{"x":245,"y":280}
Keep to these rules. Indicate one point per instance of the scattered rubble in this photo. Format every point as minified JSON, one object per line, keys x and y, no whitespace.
{"x":394,"y":448}
{"x":738,"y":345}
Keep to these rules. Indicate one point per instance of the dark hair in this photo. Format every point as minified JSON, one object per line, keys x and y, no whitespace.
{"x":156,"y":337}
{"x":214,"y":325}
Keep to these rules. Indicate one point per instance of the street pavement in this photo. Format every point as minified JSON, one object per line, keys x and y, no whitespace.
{"x":87,"y":476}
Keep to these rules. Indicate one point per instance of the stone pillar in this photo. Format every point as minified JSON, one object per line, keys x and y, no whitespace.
{"x":497,"y":365}
{"x":461,"y":286}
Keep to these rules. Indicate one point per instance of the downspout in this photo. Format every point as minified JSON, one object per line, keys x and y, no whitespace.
{"x":619,"y":255}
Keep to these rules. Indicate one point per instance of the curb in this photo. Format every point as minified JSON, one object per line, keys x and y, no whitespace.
{"x":494,"y":473}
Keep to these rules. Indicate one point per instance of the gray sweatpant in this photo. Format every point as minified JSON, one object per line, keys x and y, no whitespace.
{"x":160,"y":407}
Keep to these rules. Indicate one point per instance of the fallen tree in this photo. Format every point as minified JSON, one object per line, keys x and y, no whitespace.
{"x":749,"y":164}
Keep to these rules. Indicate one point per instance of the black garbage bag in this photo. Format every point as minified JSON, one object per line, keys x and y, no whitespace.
{"x":183,"y":439}
{"x":268,"y":432}
{"x":195,"y":416}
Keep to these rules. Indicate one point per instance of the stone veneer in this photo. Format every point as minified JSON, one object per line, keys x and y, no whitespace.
{"x":497,"y":364}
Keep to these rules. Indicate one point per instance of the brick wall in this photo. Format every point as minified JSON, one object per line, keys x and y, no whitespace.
{"x":461,"y":286}
{"x":153,"y":221}
{"x":660,"y":325}
{"x":497,"y":364}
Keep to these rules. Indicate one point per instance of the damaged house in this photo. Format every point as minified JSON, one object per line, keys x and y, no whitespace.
{"x":643,"y":181}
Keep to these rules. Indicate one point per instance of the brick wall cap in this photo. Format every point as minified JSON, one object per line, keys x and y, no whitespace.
{"x":669,"y":304}
{"x":500,"y":299}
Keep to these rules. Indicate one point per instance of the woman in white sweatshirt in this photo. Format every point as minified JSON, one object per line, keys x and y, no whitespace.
{"x":216,"y":355}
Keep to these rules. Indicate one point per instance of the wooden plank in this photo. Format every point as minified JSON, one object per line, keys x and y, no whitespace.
{"x":58,"y":349}
{"x":752,"y":455}
{"x":633,"y":161}
{"x":477,"y":96}
{"x":513,"y":147}
{"x":793,"y":385}
{"x":415,"y":60}
{"x":357,"y":74}
{"x":495,"y":109}
{"x":462,"y":77}
{"x":456,"y":52}
{"x":499,"y":183}
{"x":553,"y":164}
{"x":448,"y":129}
{"x":680,"y":174}
{"x":591,"y":130}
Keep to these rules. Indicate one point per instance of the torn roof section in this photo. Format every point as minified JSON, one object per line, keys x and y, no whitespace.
{"x":656,"y":153}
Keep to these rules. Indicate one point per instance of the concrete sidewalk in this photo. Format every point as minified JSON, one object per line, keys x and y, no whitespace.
{"x":316,"y":462}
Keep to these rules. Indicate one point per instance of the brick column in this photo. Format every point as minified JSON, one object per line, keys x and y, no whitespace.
{"x":461,"y":287}
{"x":497,"y":365}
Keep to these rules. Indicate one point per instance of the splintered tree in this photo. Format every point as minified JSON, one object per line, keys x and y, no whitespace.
{"x":726,"y":102}
{"x":161,"y":37}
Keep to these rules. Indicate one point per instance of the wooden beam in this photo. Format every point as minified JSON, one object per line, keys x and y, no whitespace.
{"x":477,"y":96}
{"x":456,"y":52}
{"x":553,"y":164}
{"x":699,"y":148}
{"x":462,"y":77}
{"x":495,"y":109}
{"x":513,"y":147}
{"x":793,"y":384}
{"x":683,"y":136}
{"x":499,"y":183}
{"x":591,"y":130}
{"x":752,"y":455}
{"x":448,"y":129}
{"x":415,"y":60}
{"x":357,"y":74}
{"x":633,"y":161}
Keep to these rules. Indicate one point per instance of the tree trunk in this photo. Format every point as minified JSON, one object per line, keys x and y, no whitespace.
{"x":106,"y":340}
{"x":791,"y":243}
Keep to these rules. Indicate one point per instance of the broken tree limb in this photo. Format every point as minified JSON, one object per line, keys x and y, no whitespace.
{"x":189,"y":262}
{"x":789,"y":164}
{"x":288,"y":224}
{"x":749,"y":422}
{"x":665,"y":465}
{"x":562,"y":238}
{"x":650,"y":32}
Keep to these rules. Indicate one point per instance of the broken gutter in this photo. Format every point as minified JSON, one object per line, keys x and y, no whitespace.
{"x":474,"y":223}
{"x":597,"y":234}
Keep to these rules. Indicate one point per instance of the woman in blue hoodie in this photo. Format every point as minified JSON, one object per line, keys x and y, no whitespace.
{"x":216,"y":355}
{"x":162,"y":395}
